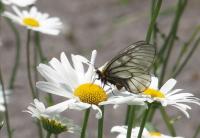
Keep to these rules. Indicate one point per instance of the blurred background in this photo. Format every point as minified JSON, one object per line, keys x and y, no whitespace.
{"x":108,"y":26}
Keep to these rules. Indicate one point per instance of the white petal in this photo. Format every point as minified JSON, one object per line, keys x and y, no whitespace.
{"x":154,"y":83}
{"x":58,"y":108}
{"x":99,"y":112}
{"x":79,"y":106}
{"x":120,"y":129}
{"x":53,"y":89}
{"x":168,"y":86}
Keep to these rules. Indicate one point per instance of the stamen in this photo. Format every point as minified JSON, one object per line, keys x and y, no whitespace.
{"x":31,"y":22}
{"x":154,"y":93}
{"x":90,"y":93}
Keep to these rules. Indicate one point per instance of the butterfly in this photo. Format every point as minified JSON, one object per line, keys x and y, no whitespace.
{"x":130,"y":68}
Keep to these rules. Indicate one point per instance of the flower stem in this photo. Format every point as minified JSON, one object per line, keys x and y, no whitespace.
{"x":196,"y":132}
{"x":39,"y":48}
{"x":100,"y":124}
{"x":17,"y":55}
{"x":127,"y":114}
{"x":29,"y":64}
{"x":43,"y":59}
{"x":144,"y":120}
{"x":48,"y":135}
{"x":86,"y":117}
{"x":196,"y":44}
{"x":130,"y":121}
{"x":167,"y":122}
{"x":34,"y":95}
{"x":171,"y":38}
{"x":155,"y":12}
{"x":6,"y":107}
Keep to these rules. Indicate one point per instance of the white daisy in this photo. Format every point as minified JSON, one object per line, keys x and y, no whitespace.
{"x":20,"y":3}
{"x":7,"y":92}
{"x":122,"y":130}
{"x":35,"y":20}
{"x":166,"y":96}
{"x":50,"y":118}
{"x":73,"y":82}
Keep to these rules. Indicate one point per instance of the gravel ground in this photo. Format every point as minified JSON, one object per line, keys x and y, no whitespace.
{"x":97,"y":25}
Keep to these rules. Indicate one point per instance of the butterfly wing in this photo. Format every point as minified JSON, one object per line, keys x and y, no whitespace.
{"x":131,"y":67}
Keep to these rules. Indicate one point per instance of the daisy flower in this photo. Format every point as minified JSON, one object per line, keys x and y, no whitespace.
{"x":50,"y":118}
{"x":20,"y":3}
{"x":2,"y":108}
{"x":74,"y":82}
{"x":36,"y":21}
{"x":166,"y":96}
{"x":122,"y":130}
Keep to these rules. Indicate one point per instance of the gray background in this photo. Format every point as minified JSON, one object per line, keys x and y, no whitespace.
{"x":96,"y":24}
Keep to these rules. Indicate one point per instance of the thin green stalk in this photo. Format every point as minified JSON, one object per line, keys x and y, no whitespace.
{"x":180,"y":68}
{"x":48,"y":135}
{"x":127,"y":114}
{"x":29,"y":64}
{"x":130,"y":122}
{"x":56,"y":136}
{"x":196,"y":132}
{"x":34,"y":95}
{"x":171,"y":37}
{"x":153,"y":20}
{"x":185,"y":47}
{"x":100,"y":124}
{"x":86,"y":117}
{"x":151,"y":113}
{"x":144,"y":120}
{"x":43,"y":59}
{"x":6,"y":107}
{"x":167,"y":122}
{"x":17,"y":54}
{"x":35,"y":67}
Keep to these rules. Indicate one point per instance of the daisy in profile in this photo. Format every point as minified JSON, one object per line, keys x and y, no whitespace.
{"x":36,"y":21}
{"x":122,"y":130}
{"x":165,"y":96}
{"x":20,"y":3}
{"x":74,"y":82}
{"x":50,"y":118}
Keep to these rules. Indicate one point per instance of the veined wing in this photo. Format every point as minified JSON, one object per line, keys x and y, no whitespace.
{"x":131,"y":66}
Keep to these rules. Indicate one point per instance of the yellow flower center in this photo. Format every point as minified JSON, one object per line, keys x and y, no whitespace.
{"x":154,"y":93}
{"x":155,"y":134}
{"x":90,"y":93}
{"x":31,"y":22}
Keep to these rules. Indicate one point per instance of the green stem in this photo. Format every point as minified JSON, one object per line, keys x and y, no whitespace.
{"x":17,"y":55}
{"x":48,"y":135}
{"x":100,"y":124}
{"x":185,"y":47}
{"x":43,"y":59}
{"x":180,"y":68}
{"x":56,"y":136}
{"x":130,"y":122}
{"x":167,"y":122}
{"x":144,"y":120}
{"x":6,"y":107}
{"x":29,"y":64}
{"x":196,"y":132}
{"x":86,"y":117}
{"x":153,"y":20}
{"x":171,"y":37}
{"x":34,"y":95}
{"x":127,"y":114}
{"x":35,"y":68}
